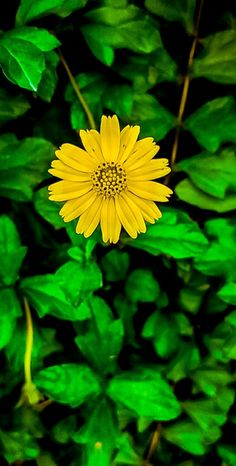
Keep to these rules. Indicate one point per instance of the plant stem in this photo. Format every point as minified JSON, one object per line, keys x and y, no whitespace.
{"x":77,"y":91}
{"x":184,"y":95}
{"x":29,"y":343}
{"x":153,"y":444}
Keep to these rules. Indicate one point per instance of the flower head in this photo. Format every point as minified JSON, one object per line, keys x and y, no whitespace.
{"x":110,"y":182}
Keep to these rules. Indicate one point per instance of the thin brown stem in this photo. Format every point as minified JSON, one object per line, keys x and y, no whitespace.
{"x":153,"y":444}
{"x":77,"y":91}
{"x":184,"y":95}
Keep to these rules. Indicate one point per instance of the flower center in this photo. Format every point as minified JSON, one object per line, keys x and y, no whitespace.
{"x":109,"y":179}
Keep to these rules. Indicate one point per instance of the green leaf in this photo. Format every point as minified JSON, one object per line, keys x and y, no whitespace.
{"x":21,"y":56}
{"x":227,"y":453}
{"x":141,"y":286}
{"x":99,"y":434}
{"x":70,"y":384}
{"x":206,"y":123}
{"x":174,"y":234}
{"x":49,"y":79}
{"x":116,"y":27}
{"x":189,"y":193}
{"x":11,"y":251}
{"x":146,"y":394}
{"x":219,"y":258}
{"x":63,"y":430}
{"x":48,"y":210}
{"x":10,"y":310}
{"x":213,"y":174}
{"x":228,"y":293}
{"x":186,"y":360}
{"x":221,"y":343}
{"x":187,"y":436}
{"x":12,"y":106}
{"x":119,"y":99}
{"x":24,"y":164}
{"x":18,"y":446}
{"x":115,"y":265}
{"x":218,"y":59}
{"x":210,"y":379}
{"x":155,"y":120}
{"x":29,"y":11}
{"x":102,"y":341}
{"x":126,"y":454}
{"x":183,"y":11}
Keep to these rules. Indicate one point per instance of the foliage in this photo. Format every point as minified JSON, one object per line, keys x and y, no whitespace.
{"x":134,"y":345}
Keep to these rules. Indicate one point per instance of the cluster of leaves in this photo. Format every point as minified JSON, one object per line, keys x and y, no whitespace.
{"x":133,"y":345}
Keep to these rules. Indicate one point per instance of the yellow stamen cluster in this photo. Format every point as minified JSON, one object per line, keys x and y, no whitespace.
{"x":109,"y":179}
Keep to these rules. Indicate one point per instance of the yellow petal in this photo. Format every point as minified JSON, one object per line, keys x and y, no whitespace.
{"x":143,"y":157}
{"x":128,"y":139}
{"x":92,"y":142}
{"x":75,"y":207}
{"x":148,"y":208}
{"x":136,"y":212}
{"x":65,"y":190}
{"x":126,"y":217}
{"x":151,"y":171}
{"x":90,"y":219}
{"x":150,"y":190}
{"x":76,"y":158}
{"x":110,"y":137}
{"x":104,"y":220}
{"x":114,"y":225}
{"x":72,"y":175}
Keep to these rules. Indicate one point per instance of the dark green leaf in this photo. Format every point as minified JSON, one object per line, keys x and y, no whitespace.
{"x":10,"y":310}
{"x":227,"y":453}
{"x":206,"y":123}
{"x":183,"y":11}
{"x":174,"y":234}
{"x":102,"y":341}
{"x":11,"y":251}
{"x":49,"y":79}
{"x":217,"y":62}
{"x":142,"y":286}
{"x":186,"y":360}
{"x":145,"y":393}
{"x":24,"y":164}
{"x":29,"y":11}
{"x":48,"y":210}
{"x":70,"y":384}
{"x":210,"y":379}
{"x":12,"y":106}
{"x":115,"y":265}
{"x":63,"y":431}
{"x":18,"y":446}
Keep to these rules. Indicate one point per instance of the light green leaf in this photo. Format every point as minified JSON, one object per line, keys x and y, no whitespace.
{"x":48,"y":210}
{"x":41,"y":38}
{"x":11,"y":251}
{"x":10,"y":310}
{"x":24,"y":164}
{"x":189,"y":193}
{"x":187,"y":436}
{"x":29,"y":10}
{"x":221,"y":343}
{"x":115,"y":265}
{"x":142,"y":286}
{"x":126,"y":454}
{"x":217,"y":61}
{"x":206,"y":123}
{"x":227,"y":453}
{"x":228,"y":293}
{"x":102,"y":341}
{"x":146,"y":394}
{"x":174,"y":234}
{"x":210,"y":379}
{"x":213,"y":174}
{"x":183,"y":11}
{"x":186,"y":360}
{"x":12,"y":106}
{"x":70,"y":384}
{"x":220,"y":256}
{"x":18,"y":446}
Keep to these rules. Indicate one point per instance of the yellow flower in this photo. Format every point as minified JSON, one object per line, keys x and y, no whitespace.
{"x":109,"y":183}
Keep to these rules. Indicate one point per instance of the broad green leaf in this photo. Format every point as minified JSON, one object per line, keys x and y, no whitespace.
{"x":227,"y":453}
{"x":155,"y":120}
{"x":49,"y":79}
{"x":214,"y":123}
{"x":102,"y":340}
{"x":99,"y":434}
{"x":10,"y":310}
{"x":174,"y":234}
{"x":142,"y":286}
{"x":213,"y":174}
{"x":186,"y":360}
{"x":217,"y":61}
{"x":29,"y":11}
{"x":187,"y":436}
{"x":189,"y":193}
{"x":145,"y":71}
{"x":126,"y":454}
{"x":22,"y":59}
{"x":183,"y":11}
{"x":47,"y":297}
{"x":228,"y":293}
{"x":220,"y":256}
{"x":18,"y":446}
{"x":11,"y":106}
{"x":11,"y":251}
{"x":221,"y":343}
{"x":146,"y":394}
{"x":70,"y":384}
{"x":114,"y":27}
{"x":24,"y":164}
{"x":119,"y":99}
{"x":115,"y":265}
{"x":48,"y":210}
{"x":210,"y":379}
